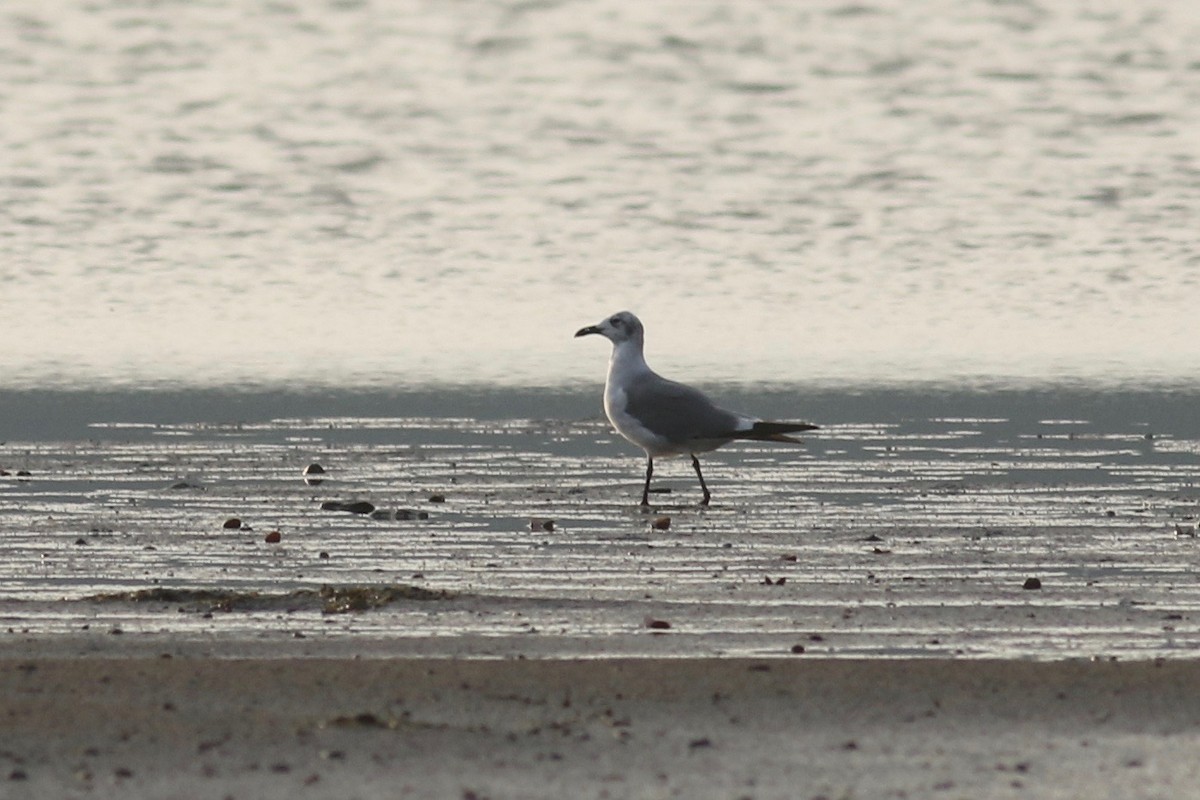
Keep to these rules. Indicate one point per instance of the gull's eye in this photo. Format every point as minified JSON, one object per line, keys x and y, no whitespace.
{"x":615,"y":322}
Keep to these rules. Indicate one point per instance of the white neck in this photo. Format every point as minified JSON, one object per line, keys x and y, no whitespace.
{"x":627,"y":359}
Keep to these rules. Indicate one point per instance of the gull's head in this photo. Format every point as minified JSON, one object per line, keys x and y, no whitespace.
{"x":620,"y":327}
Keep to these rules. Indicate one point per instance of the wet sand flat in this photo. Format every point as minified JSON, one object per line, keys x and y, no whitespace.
{"x":960,"y":597}
{"x":266,"y":728}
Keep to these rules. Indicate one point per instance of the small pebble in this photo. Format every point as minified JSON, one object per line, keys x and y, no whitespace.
{"x":1032,"y":583}
{"x":797,"y":649}
{"x":437,"y":498}
{"x":657,"y":624}
{"x":273,"y":537}
{"x":233,"y":523}
{"x":661,"y":523}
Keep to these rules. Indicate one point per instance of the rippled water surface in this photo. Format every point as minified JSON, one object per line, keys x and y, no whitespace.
{"x":412,"y":192}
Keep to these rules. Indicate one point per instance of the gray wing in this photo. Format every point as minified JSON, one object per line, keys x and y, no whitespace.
{"x":677,"y":412}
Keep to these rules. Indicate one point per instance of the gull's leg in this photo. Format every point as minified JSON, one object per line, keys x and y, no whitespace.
{"x":649,"y":472}
{"x":696,"y":464}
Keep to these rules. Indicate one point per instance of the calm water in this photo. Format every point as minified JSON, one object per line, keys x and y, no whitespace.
{"x":384,"y":194}
{"x":236,"y":238}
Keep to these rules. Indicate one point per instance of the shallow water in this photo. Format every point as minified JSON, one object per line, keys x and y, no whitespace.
{"x":355,"y":194}
{"x":908,"y":525}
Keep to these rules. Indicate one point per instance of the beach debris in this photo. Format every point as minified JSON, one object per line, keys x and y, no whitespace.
{"x":233,"y":524}
{"x":329,"y":599}
{"x":364,"y":719}
{"x":656,"y":624}
{"x":437,"y":498}
{"x":355,"y":507}
{"x":791,"y":557}
{"x":313,"y":473}
{"x":539,"y":524}
{"x":797,"y":649}
{"x":273,"y":537}
{"x":777,"y":582}
{"x":1032,"y":583}
{"x":323,"y":554}
{"x":661,"y":523}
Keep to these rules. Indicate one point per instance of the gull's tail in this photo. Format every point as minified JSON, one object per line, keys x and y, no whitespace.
{"x":775,"y":431}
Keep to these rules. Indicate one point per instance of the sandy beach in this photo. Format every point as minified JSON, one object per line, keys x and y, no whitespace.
{"x":729,"y":728}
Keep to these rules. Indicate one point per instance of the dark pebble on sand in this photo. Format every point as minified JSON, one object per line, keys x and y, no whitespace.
{"x":323,"y":554}
{"x":233,"y":523}
{"x":658,"y":624}
{"x":1032,"y":583}
{"x":797,"y":649}
{"x":661,"y":523}
{"x":437,"y":498}
{"x":314,"y":469}
{"x":359,"y":507}
{"x":273,"y":537}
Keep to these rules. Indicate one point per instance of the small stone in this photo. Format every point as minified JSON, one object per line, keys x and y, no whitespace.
{"x":797,"y":649}
{"x":657,"y":624}
{"x":1032,"y":583}
{"x":314,"y":469}
{"x":273,"y":537}
{"x":661,"y":523}
{"x":323,"y":554}
{"x":233,"y":523}
{"x":437,"y":498}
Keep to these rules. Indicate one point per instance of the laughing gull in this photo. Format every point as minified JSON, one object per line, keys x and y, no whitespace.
{"x":666,"y":418}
